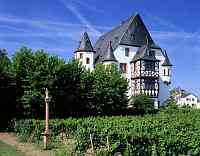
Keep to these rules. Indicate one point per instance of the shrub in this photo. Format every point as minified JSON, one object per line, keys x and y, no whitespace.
{"x":143,"y":104}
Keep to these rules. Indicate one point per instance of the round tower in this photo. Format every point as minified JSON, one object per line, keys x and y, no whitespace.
{"x":85,"y":52}
{"x":166,"y":70}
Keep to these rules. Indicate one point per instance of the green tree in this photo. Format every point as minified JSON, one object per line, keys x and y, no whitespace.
{"x":68,"y":91}
{"x":143,"y":104}
{"x":5,"y":63}
{"x":7,"y":90}
{"x":34,"y":72}
{"x":109,"y":90}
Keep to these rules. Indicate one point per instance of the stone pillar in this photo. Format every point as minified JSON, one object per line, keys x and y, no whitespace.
{"x":46,"y":132}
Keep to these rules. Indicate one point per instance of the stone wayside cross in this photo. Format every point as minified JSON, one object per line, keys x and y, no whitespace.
{"x":46,"y":132}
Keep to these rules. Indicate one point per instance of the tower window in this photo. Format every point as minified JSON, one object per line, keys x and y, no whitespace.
{"x":87,"y":60}
{"x":168,"y":72}
{"x":81,"y":55}
{"x":124,"y":67}
{"x":164,"y":72}
{"x":127,"y":51}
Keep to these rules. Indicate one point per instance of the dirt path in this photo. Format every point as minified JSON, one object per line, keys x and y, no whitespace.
{"x":26,"y":148}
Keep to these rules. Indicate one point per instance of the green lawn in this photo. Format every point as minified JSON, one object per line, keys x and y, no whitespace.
{"x":7,"y":150}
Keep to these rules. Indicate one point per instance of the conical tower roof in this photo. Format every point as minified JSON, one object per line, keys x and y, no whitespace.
{"x":85,"y":44}
{"x":166,"y":61}
{"x":109,"y":55}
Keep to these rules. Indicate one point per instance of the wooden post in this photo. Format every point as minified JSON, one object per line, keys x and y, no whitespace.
{"x":91,"y":143}
{"x":46,"y":132}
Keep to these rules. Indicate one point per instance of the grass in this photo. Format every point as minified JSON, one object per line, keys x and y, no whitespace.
{"x":7,"y":150}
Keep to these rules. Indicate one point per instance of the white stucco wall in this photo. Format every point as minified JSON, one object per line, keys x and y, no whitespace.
{"x":110,"y":62}
{"x":121,"y":58}
{"x":86,"y":55}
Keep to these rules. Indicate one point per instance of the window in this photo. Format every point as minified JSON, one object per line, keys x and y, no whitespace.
{"x":87,"y":60}
{"x":123,"y":67}
{"x":149,"y":66}
{"x":81,"y":55}
{"x":152,"y":53}
{"x":149,"y":84}
{"x":168,"y":72}
{"x":127,"y":51}
{"x":192,"y":99}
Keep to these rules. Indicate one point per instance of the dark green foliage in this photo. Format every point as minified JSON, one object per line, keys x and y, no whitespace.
{"x":7,"y":90}
{"x":162,"y":134}
{"x":143,"y":104}
{"x":67,"y":90}
{"x":34,"y":71}
{"x":75,"y":91}
{"x":4,"y":62}
{"x":109,"y":90}
{"x":81,"y":93}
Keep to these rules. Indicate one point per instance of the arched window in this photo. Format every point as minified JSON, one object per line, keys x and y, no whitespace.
{"x":87,"y":60}
{"x":168,"y":72}
{"x":164,"y":72}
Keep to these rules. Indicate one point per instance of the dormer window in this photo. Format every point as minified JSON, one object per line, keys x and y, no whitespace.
{"x":151,"y":53}
{"x":127,"y":51}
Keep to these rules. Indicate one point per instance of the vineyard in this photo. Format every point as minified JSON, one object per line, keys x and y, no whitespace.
{"x":168,"y":132}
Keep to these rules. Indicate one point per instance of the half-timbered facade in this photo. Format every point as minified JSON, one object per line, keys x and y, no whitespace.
{"x":139,"y":58}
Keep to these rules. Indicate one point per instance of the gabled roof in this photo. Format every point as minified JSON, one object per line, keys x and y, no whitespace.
{"x":132,"y":32}
{"x":144,"y":53}
{"x":188,"y":94}
{"x":166,"y":61}
{"x":85,"y":44}
{"x":109,"y":55}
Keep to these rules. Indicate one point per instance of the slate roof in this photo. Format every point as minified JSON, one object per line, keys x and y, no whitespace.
{"x":131,"y":32}
{"x":109,"y":55}
{"x":85,"y":44}
{"x":144,"y":53}
{"x":166,"y":61}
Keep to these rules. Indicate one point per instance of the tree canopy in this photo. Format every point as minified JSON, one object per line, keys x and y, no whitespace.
{"x":75,"y":91}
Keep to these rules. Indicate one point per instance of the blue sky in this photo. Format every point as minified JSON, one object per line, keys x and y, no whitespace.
{"x":56,"y":26}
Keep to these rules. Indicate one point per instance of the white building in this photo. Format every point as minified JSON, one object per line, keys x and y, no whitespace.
{"x":131,"y":48}
{"x":188,"y":100}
